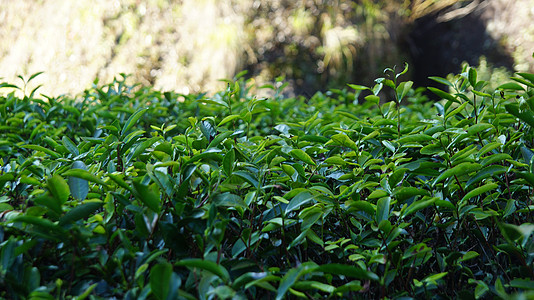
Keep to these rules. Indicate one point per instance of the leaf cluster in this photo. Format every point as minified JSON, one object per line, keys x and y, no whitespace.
{"x":129,"y":192}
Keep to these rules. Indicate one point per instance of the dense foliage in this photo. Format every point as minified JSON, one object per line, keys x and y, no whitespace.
{"x":128,"y":192}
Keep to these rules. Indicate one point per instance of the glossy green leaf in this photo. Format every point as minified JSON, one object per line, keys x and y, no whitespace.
{"x":382,"y":209}
{"x":443,"y":95}
{"x":418,"y":205}
{"x":59,"y":188}
{"x":132,"y":120}
{"x":479,"y":190}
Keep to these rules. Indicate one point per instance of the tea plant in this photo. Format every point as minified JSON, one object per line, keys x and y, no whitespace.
{"x":128,"y":192}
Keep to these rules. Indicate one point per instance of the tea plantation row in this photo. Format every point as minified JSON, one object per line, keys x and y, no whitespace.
{"x":126,"y":192}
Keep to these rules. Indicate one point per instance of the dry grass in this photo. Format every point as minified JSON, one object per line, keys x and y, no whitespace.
{"x":189,"y":45}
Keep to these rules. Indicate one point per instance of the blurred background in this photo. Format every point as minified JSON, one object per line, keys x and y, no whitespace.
{"x":188,"y":45}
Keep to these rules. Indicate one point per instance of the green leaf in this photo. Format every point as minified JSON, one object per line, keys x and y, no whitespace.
{"x":52,"y":203}
{"x":525,"y":284}
{"x":405,"y":192}
{"x":143,"y":146}
{"x":84,"y":174}
{"x":118,"y":180}
{"x":432,"y":279}
{"x":418,"y":205}
{"x":510,"y":232}
{"x":362,"y":206}
{"x":397,"y":177}
{"x":495,"y":158}
{"x":526,"y":116}
{"x":469,"y":255}
{"x":228,"y":119}
{"x":301,"y":155}
{"x":314,"y":285}
{"x":527,"y":76}
{"x":510,"y":86}
{"x":160,"y":280}
{"x":489,"y":171}
{"x":39,"y":222}
{"x":292,"y":276}
{"x":488,"y":147}
{"x":79,"y":187}
{"x":415,"y":138}
{"x":456,"y":110}
{"x":343,"y":140}
{"x":42,"y":149}
{"x":472,"y":76}
{"x":441,"y":80}
{"x":207,"y":265}
{"x":358,"y":87}
{"x":377,"y":194}
{"x":132,"y":120}
{"x":300,"y":199}
{"x":459,"y":170}
{"x":480,"y":190}
{"x":527,"y":154}
{"x":149,"y":195}
{"x":69,"y":144}
{"x":478,"y":128}
{"x":228,"y":162}
{"x":248,"y":177}
{"x":382,"y":209}
{"x":443,"y":95}
{"x":58,"y":188}
{"x":80,"y":212}
{"x":348,"y":271}
{"x":403,"y":89}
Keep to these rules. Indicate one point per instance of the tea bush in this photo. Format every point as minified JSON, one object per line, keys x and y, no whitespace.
{"x":128,"y":192}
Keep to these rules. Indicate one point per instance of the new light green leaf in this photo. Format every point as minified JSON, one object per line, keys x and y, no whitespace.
{"x":343,"y":140}
{"x":303,"y":156}
{"x":59,"y":188}
{"x":133,"y":119}
{"x":403,"y":89}
{"x":228,"y":119}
